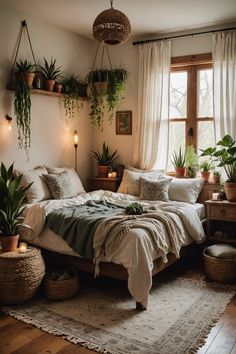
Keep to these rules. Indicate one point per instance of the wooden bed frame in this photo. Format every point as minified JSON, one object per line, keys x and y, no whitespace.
{"x":118,"y":271}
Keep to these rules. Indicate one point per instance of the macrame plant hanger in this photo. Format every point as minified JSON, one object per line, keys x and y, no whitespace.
{"x":104,"y":47}
{"x":23,"y":28}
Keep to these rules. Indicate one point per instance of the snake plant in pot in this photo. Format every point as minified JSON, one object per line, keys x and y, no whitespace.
{"x":12,"y":198}
{"x":224,"y":155}
{"x":178,"y":160}
{"x":104,"y":159}
{"x":26,"y":70}
{"x":50,"y":73}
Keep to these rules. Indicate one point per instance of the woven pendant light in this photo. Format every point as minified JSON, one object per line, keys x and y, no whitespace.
{"x":111,"y":26}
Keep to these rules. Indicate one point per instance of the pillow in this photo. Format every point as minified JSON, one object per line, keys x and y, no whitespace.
{"x":130,"y":183}
{"x":185,"y":189}
{"x":60,"y":185}
{"x":155,"y":190}
{"x":39,"y":190}
{"x":222,"y":251}
{"x":134,"y":169}
{"x":76,"y":183}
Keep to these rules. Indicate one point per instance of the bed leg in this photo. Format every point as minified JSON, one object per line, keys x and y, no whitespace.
{"x":140,"y":307}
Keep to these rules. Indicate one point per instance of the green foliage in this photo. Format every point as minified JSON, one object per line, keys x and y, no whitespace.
{"x":178,"y":158}
{"x":191,"y":161}
{"x":12,"y":198}
{"x":105,"y":157}
{"x":224,"y":154}
{"x":71,"y":101}
{"x":116,"y":80}
{"x":134,"y":209}
{"x":206,"y":166}
{"x":22,"y":111}
{"x":24,"y":66}
{"x":49,"y":71}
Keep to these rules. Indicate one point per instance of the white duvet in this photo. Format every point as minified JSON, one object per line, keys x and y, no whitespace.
{"x":136,"y":249}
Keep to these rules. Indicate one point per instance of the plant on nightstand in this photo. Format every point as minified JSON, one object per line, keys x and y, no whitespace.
{"x":12,"y":198}
{"x":104,"y":159}
{"x":178,"y":160}
{"x":224,"y":154}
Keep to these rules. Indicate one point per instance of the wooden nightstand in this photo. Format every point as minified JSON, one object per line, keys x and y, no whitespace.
{"x":221,"y":221}
{"x":110,"y":184}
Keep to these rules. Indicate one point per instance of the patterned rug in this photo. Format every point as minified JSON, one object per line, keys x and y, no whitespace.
{"x":180,"y":315}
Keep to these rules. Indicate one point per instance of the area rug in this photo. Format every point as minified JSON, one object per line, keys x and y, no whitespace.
{"x":180,"y":315}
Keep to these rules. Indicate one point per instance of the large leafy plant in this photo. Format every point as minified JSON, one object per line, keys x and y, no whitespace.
{"x":12,"y":197}
{"x":105,"y":157}
{"x":224,"y":155}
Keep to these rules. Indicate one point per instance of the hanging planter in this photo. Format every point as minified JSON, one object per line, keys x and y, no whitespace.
{"x":71,"y":100}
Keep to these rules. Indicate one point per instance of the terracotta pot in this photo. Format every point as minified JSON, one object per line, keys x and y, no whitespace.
{"x":216,"y":179}
{"x":230,"y":191}
{"x":9,"y":243}
{"x":179,"y":171}
{"x":57,"y":87}
{"x":49,"y":85}
{"x":29,"y":78}
{"x":103,"y":170}
{"x":101,"y":87}
{"x":205,"y":175}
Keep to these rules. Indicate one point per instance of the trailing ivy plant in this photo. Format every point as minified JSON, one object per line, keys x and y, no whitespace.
{"x":71,"y":101}
{"x":22,"y":111}
{"x":116,"y":89}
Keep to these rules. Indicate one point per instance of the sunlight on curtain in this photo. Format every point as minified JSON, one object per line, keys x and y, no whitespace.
{"x":224,"y":71}
{"x":151,"y":141}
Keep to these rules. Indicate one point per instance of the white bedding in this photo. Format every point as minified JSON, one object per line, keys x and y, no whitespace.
{"x":138,"y":264}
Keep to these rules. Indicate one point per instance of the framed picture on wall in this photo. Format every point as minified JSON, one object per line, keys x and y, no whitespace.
{"x":124,"y":122}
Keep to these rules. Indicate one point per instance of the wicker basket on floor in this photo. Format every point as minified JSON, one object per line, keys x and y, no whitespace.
{"x":58,"y":290}
{"x":219,"y":269}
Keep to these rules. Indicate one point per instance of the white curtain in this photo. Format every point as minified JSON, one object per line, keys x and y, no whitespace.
{"x":224,"y":78}
{"x":151,"y":143}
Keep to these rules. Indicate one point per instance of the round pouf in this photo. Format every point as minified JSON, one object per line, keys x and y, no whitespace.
{"x":20,"y":275}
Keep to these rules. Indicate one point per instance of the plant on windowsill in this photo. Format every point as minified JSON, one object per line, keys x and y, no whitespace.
{"x":50,"y":73}
{"x":216,"y":176}
{"x":224,"y":154}
{"x":71,"y":101}
{"x":191,"y":162}
{"x":104,"y":159}
{"x":178,"y":160}
{"x":12,"y":198}
{"x":206,"y":167}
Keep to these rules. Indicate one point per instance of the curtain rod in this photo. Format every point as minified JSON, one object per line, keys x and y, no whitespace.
{"x":182,"y":35}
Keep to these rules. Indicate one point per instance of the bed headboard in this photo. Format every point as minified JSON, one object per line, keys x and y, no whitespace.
{"x":207,"y":190}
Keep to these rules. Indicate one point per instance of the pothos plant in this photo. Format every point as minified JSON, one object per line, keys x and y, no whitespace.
{"x":71,"y":100}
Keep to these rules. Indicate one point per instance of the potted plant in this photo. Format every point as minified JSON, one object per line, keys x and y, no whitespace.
{"x":104,"y":159}
{"x":50,"y":73}
{"x":26,"y":70}
{"x":224,"y":154}
{"x":216,"y":176}
{"x":206,"y":167}
{"x":71,"y":100}
{"x":191,"y":162}
{"x":12,"y":197}
{"x":178,"y":160}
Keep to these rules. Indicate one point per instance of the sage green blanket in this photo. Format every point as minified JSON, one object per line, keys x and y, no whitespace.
{"x":77,"y":224}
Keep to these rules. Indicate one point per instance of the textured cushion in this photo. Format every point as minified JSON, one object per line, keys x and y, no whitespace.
{"x":39,"y":190}
{"x":222,"y":251}
{"x":185,"y":189}
{"x":60,"y":185}
{"x":155,"y":190}
{"x":130,"y":183}
{"x":76,"y":183}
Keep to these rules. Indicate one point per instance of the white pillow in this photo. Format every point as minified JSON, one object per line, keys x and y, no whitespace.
{"x":39,"y":190}
{"x":222,"y":251}
{"x":131,"y":181}
{"x":76,"y":183}
{"x":134,"y":169}
{"x":186,"y":189}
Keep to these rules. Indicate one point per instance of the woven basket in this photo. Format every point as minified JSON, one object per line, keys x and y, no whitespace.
{"x":58,"y":290}
{"x":20,"y":275}
{"x":219,"y":269}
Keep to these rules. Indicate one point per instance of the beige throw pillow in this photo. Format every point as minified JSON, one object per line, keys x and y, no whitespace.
{"x":60,"y":185}
{"x":76,"y":183}
{"x":155,"y":190}
{"x":39,"y":190}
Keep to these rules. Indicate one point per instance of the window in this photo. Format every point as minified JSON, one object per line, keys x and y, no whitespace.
{"x":191,"y":103}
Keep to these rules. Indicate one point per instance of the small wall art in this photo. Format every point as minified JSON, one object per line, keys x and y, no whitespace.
{"x":124,"y":122}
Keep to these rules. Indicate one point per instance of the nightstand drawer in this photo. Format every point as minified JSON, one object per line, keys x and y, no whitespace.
{"x":222,"y":212}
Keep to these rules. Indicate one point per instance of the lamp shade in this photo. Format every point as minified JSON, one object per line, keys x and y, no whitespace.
{"x":76,"y":138}
{"x":111,"y":26}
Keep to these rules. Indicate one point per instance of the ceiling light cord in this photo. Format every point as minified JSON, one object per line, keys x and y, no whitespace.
{"x":111,"y":1}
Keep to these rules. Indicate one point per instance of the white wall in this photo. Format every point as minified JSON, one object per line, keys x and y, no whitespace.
{"x":52,"y":142}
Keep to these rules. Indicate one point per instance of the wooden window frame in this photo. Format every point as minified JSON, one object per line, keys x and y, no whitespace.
{"x":191,"y":64}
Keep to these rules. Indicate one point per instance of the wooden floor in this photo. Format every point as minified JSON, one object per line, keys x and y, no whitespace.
{"x":20,"y":338}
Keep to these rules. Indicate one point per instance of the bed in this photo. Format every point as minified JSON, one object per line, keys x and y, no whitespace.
{"x":125,"y":247}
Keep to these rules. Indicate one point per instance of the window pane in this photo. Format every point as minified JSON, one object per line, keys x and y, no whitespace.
{"x":206,"y":136}
{"x":176,"y":139}
{"x":205,"y":99}
{"x":178,"y":94}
